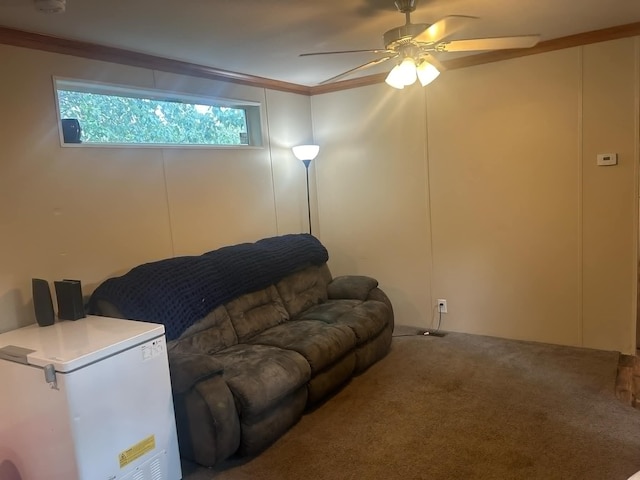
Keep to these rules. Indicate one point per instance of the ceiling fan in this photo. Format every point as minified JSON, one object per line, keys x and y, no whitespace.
{"x":414,"y":44}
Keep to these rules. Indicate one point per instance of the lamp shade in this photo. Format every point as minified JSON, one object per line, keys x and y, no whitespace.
{"x":408,"y":71}
{"x":427,"y":73}
{"x":394,"y":79}
{"x":306,"y":152}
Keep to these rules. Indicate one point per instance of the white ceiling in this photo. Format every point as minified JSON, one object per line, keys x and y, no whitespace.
{"x":264,"y":38}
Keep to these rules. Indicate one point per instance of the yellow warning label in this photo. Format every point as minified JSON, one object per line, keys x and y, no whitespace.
{"x":136,"y":451}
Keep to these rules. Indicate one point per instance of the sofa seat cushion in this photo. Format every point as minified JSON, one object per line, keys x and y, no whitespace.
{"x":260,"y":376}
{"x":366,"y":319}
{"x":319,"y":343}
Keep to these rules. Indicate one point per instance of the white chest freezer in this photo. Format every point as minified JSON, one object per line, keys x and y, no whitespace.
{"x":87,"y":400}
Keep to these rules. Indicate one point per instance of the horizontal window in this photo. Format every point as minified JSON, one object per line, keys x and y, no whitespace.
{"x":115,"y":115}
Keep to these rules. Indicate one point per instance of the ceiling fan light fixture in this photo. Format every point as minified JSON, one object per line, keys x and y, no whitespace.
{"x":408,"y":72}
{"x":414,"y":42}
{"x":394,"y":79}
{"x":427,"y":73}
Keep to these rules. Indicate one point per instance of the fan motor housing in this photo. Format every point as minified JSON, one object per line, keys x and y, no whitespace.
{"x":405,"y":6}
{"x":50,"y":6}
{"x":403,"y":35}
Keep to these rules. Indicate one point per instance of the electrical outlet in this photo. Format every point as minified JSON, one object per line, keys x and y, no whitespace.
{"x":442,"y":305}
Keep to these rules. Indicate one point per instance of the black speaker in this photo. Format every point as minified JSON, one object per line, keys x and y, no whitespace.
{"x":42,"y":303}
{"x":71,"y":131}
{"x":69,"y":295}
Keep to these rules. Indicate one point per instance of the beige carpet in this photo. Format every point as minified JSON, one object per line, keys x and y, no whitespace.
{"x":461,"y":407}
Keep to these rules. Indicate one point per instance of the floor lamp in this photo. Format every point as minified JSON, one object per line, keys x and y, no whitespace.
{"x":306,"y":153}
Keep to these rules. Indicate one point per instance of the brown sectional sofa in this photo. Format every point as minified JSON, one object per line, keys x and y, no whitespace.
{"x":245,"y":372}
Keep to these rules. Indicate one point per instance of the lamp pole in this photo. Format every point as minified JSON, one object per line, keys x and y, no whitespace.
{"x":306,"y":153}
{"x":306,"y":167}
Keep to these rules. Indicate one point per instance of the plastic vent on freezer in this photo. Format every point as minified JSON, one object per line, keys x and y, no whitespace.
{"x":153,"y":469}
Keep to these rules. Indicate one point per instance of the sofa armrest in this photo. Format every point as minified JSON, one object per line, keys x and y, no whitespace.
{"x":189,"y":369}
{"x":356,"y":287}
{"x":206,"y":416}
{"x":359,"y":287}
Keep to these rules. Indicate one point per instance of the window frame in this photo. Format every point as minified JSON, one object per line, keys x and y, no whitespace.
{"x":254,"y":114}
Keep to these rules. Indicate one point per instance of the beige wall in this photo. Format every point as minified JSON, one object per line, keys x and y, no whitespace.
{"x":504,"y":158}
{"x":90,"y":213}
{"x":496,"y":205}
{"x":372,"y":191}
{"x":610,"y":228}
{"x":481,"y":189}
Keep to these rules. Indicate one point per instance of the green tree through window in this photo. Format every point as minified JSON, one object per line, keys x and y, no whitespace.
{"x":123,"y":119}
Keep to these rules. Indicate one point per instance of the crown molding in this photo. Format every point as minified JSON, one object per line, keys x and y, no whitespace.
{"x":19,"y":38}
{"x":348,"y":84}
{"x":36,"y":41}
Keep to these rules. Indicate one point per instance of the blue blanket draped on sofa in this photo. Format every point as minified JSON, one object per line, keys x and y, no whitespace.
{"x":179,"y":291}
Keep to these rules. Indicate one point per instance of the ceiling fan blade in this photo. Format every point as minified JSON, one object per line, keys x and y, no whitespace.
{"x":361,"y":67}
{"x":347,"y":51}
{"x":497,"y":43}
{"x":443,"y":28}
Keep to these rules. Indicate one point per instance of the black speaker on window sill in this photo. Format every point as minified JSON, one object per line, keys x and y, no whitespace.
{"x":71,"y":131}
{"x":42,"y":303}
{"x":69,"y":296}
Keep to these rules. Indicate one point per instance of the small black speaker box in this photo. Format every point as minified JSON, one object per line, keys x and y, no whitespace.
{"x":69,"y":295}
{"x":42,"y":303}
{"x":71,"y":131}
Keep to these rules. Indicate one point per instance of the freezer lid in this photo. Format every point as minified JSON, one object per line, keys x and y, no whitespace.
{"x":70,"y":345}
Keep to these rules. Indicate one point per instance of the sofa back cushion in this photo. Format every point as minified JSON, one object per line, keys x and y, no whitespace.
{"x":304,"y":289}
{"x":208,"y":335}
{"x":253,"y":313}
